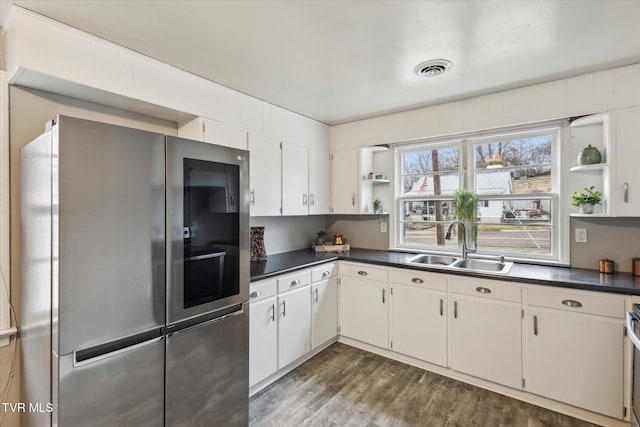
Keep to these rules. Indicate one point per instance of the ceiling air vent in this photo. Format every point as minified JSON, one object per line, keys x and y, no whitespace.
{"x":432,"y":68}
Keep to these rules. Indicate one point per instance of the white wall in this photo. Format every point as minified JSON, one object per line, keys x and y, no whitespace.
{"x":587,"y":94}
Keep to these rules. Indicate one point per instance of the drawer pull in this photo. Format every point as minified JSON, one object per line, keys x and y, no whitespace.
{"x":255,"y":294}
{"x":362,"y":273}
{"x":417,"y":280}
{"x":572,"y":303}
{"x":483,"y":290}
{"x":326,"y":273}
{"x":295,"y":282}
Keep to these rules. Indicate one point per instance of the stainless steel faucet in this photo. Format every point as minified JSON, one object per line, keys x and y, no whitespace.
{"x":465,"y":249}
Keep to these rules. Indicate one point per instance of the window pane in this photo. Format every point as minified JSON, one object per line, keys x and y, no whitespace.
{"x":431,"y":172}
{"x":521,"y":238}
{"x":428,"y":210}
{"x":518,"y":166}
{"x":429,"y":234}
{"x":515,"y":211}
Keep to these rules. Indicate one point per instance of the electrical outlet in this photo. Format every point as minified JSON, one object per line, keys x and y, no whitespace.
{"x":581,"y":235}
{"x":383,"y":227}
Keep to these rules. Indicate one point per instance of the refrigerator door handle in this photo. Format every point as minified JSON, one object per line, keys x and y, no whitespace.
{"x":124,"y":345}
{"x":232,"y":312}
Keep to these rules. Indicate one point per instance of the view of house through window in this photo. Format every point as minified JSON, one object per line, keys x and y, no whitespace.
{"x":510,"y":176}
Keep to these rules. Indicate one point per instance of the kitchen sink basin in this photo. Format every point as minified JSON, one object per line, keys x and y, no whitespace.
{"x":483,"y":265}
{"x":453,"y":263}
{"x":432,"y":260}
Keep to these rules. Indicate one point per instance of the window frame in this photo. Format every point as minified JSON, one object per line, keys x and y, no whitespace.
{"x":559,"y":242}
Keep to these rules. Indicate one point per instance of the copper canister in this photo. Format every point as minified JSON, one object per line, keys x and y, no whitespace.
{"x":606,"y":266}
{"x":635,"y":266}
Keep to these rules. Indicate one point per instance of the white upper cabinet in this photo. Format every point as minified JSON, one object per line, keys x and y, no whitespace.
{"x":625,"y":187}
{"x":265,"y":175}
{"x":344,"y":182}
{"x":206,"y":130}
{"x":295,"y":179}
{"x":319,"y":181}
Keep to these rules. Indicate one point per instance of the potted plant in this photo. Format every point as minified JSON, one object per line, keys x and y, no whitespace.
{"x":465,"y":205}
{"x":586,"y":200}
{"x":320,"y":235}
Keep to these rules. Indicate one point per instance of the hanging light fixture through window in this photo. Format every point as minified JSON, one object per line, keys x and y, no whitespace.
{"x":495,"y":163}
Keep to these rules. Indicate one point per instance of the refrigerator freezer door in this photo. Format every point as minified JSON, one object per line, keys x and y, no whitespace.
{"x":125,"y":387}
{"x":109,"y":247}
{"x":207,"y":379}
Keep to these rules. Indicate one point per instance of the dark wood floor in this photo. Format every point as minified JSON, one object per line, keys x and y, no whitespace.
{"x":346,"y":386}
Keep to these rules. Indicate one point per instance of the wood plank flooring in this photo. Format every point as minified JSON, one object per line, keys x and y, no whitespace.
{"x":345,"y":386}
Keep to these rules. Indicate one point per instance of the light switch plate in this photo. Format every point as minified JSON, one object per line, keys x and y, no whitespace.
{"x":581,"y":235}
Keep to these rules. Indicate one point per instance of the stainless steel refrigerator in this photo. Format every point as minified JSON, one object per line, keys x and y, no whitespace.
{"x":135,"y":276}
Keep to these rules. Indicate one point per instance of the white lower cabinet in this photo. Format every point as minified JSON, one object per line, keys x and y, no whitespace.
{"x":324,"y":311}
{"x":263,"y":331}
{"x":576,"y":356}
{"x":418,"y":316}
{"x":364,"y":304}
{"x":485,"y":331}
{"x":294,"y":325}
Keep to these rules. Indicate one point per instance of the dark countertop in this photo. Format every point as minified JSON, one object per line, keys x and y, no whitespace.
{"x":576,"y":278}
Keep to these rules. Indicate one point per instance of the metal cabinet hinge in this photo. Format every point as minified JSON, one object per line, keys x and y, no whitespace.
{"x":330,"y":156}
{"x":523,"y":383}
{"x":391,"y":291}
{"x":339,"y":281}
{"x":522,"y":313}
{"x":391,"y":344}
{"x":624,"y":331}
{"x":203,"y":127}
{"x":281,"y":145}
{"x":624,"y":411}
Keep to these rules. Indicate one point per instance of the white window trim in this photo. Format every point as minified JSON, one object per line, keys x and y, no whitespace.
{"x":560,"y":209}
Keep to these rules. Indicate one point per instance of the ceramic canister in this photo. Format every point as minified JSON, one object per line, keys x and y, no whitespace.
{"x":589,"y":156}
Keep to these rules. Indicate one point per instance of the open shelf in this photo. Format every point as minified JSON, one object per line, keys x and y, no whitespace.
{"x":593,"y":119}
{"x":594,"y":215}
{"x":377,"y":181}
{"x":590,"y":168}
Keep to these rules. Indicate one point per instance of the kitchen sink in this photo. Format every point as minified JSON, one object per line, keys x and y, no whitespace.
{"x":483,"y":265}
{"x":432,"y":260}
{"x":453,"y":263}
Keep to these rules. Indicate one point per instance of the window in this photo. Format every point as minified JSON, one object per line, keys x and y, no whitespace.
{"x":514,"y":177}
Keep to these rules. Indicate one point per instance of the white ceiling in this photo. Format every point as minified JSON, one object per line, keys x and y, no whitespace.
{"x":339,"y":61}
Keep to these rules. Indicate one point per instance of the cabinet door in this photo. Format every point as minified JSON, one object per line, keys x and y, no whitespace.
{"x":265,"y":175}
{"x":344,"y":182}
{"x":215,"y":133}
{"x":263,"y":340}
{"x":319,"y":182}
{"x":364,"y":313}
{"x":294,"y":327}
{"x":625,"y":188}
{"x":295,"y":179}
{"x":324,"y":311}
{"x":485,"y":339}
{"x":418,"y":323}
{"x":576,"y":359}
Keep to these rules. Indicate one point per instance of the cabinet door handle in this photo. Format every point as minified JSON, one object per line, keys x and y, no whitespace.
{"x":441,"y":307}
{"x":626,"y":192}
{"x":455,"y":309}
{"x":304,"y":199}
{"x":353,"y":199}
{"x":362,"y":273}
{"x":326,"y":273}
{"x":316,"y":292}
{"x":273,"y":312}
{"x":284,"y":308}
{"x":295,"y":282}
{"x":253,"y":197}
{"x":383,"y":296}
{"x":483,"y":290}
{"x":312,"y":200}
{"x":535,"y":325}
{"x":255,"y":294}
{"x":417,"y":280}
{"x":572,"y":303}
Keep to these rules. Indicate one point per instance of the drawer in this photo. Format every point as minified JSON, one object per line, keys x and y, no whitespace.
{"x":364,"y":271}
{"x":486,"y":289}
{"x":323,"y":272}
{"x":420,"y":279}
{"x":294,"y":280}
{"x":581,"y":302}
{"x":262,"y":289}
